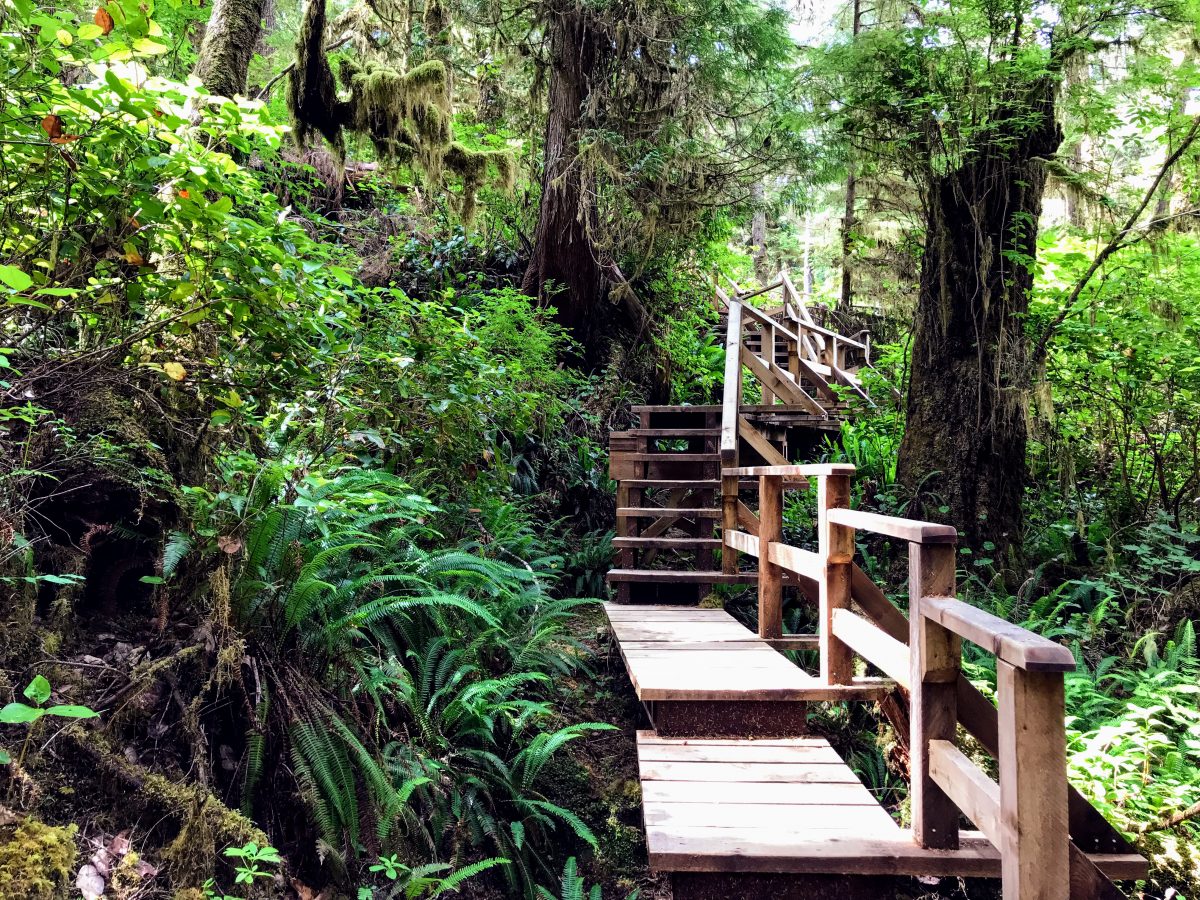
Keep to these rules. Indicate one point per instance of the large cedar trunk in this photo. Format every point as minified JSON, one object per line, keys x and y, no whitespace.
{"x":563,"y":251}
{"x":965,"y":441}
{"x":229,"y":41}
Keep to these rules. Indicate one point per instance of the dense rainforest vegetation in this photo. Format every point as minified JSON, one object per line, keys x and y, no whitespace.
{"x":315,"y":318}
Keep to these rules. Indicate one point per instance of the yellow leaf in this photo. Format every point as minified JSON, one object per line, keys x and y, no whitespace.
{"x":175,"y":371}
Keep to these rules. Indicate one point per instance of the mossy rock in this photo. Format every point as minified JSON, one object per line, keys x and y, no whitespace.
{"x":37,"y":861}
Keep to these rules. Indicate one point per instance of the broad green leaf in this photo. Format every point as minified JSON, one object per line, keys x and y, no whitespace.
{"x":20,"y":714}
{"x":69,"y":711}
{"x":15,"y":278}
{"x":38,"y":690}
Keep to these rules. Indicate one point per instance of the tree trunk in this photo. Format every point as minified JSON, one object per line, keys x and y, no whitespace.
{"x":846,"y":296}
{"x":758,"y":232}
{"x":965,"y":440}
{"x":563,"y":255}
{"x":229,"y":41}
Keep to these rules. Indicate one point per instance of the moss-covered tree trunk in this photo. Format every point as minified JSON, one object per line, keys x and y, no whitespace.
{"x":965,"y":441}
{"x":229,"y":41}
{"x":563,"y":251}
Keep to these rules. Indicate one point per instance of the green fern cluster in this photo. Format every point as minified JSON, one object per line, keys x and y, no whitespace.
{"x":400,"y":686}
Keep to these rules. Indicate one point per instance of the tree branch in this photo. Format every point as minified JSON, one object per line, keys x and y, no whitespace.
{"x":1117,"y":242}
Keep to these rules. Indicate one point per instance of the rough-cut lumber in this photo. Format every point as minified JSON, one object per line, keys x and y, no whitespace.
{"x":797,"y":560}
{"x":770,"y":577}
{"x":742,"y":542}
{"x":971,"y":790}
{"x":936,"y":655}
{"x":1035,"y":849}
{"x":1011,"y":643}
{"x":880,"y":649}
{"x":890,"y":526}
{"x":760,"y":444}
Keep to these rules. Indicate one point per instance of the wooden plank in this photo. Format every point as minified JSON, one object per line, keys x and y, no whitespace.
{"x":881,"y":650}
{"x":742,"y":542}
{"x":812,"y":470}
{"x":971,"y":790}
{"x":797,"y":560}
{"x":935,"y":655}
{"x":810,"y":795}
{"x":1088,"y":882}
{"x":761,"y":445}
{"x":834,"y":589}
{"x":682,"y":631}
{"x":682,"y":818}
{"x":751,"y":646}
{"x":664,"y":543}
{"x":652,"y":512}
{"x":1011,"y":643}
{"x":729,"y":517}
{"x":1035,"y":850}
{"x":732,"y":394}
{"x":784,"y":388}
{"x":866,"y":853}
{"x":890,"y":526}
{"x":649,"y":738}
{"x":671,"y":576}
{"x":746,"y":519}
{"x":747,"y":772}
{"x":816,"y":753}
{"x":770,"y":577}
{"x":794,"y":642}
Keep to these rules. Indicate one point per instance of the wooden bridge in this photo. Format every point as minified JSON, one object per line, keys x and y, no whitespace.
{"x":738,"y":799}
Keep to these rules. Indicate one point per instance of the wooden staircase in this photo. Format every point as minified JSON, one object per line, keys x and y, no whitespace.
{"x":738,"y":798}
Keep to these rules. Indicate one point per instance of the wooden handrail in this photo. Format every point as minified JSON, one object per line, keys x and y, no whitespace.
{"x":890,"y":526}
{"x":1004,"y":640}
{"x":1025,"y":814}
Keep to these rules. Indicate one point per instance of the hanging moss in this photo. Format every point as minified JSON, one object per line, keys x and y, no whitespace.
{"x":312,"y":92}
{"x":472,"y":167}
{"x":37,"y":861}
{"x":406,"y":115}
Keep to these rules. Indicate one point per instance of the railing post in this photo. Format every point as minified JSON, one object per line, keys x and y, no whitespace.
{"x":936,"y":656}
{"x":836,"y":544}
{"x":768,"y":357}
{"x":730,"y":411}
{"x":770,"y":576}
{"x":1035,"y":856}
{"x":729,"y":521}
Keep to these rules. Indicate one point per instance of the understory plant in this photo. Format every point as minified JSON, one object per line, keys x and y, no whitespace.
{"x":422,"y":719}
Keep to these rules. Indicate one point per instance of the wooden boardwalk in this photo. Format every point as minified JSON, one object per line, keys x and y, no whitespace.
{"x":739,"y":800}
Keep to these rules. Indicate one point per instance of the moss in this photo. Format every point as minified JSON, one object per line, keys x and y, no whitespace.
{"x":712,"y":601}
{"x":37,"y":861}
{"x":472,"y":166}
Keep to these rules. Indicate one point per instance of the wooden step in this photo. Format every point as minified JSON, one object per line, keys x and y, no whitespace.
{"x":673,"y":456}
{"x":790,"y":806}
{"x":664,"y":512}
{"x":670,"y":576}
{"x":711,"y":408}
{"x":670,"y":432}
{"x":677,"y":667}
{"x":665,"y":543}
{"x":696,"y":484}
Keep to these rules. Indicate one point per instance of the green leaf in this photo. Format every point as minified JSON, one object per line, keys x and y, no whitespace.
{"x":5,"y":759}
{"x":19,"y":713}
{"x":68,"y":711}
{"x":89,"y":31}
{"x":15,"y":278}
{"x":38,"y":690}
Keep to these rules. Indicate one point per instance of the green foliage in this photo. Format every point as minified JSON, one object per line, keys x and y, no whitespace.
{"x":1119,"y":409}
{"x":247,"y":869}
{"x":426,"y":880}
{"x":38,"y":692}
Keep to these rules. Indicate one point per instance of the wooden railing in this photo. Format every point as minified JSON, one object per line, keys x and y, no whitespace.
{"x":815,"y":356}
{"x":1031,"y":814}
